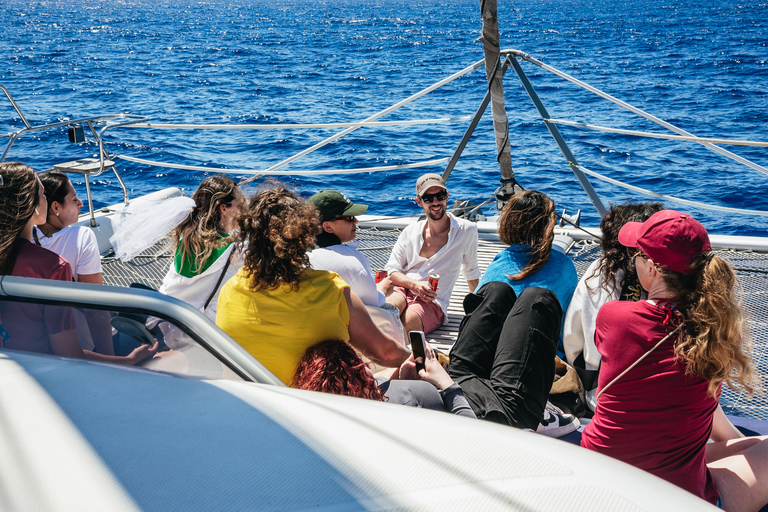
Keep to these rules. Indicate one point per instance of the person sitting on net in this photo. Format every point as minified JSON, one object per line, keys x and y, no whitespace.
{"x":332,"y":366}
{"x":610,"y":277}
{"x":277,"y":306}
{"x":519,"y":397}
{"x":336,"y":250}
{"x":440,"y":244}
{"x":204,"y":258}
{"x":664,"y":360}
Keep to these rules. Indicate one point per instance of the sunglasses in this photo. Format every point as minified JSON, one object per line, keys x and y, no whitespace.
{"x":440,"y":196}
{"x":634,"y":254}
{"x":348,"y":218}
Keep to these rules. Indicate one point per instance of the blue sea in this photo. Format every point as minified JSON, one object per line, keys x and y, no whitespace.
{"x":702,"y":66}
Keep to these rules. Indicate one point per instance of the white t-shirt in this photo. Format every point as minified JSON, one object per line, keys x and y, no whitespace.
{"x":77,"y":245}
{"x":353,"y":267}
{"x":459,"y":252}
{"x":579,"y":323}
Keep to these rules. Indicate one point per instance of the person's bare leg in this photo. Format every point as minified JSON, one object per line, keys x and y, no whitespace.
{"x":723,"y":449}
{"x":741,"y":478}
{"x":411,"y":322}
{"x":397,"y":300}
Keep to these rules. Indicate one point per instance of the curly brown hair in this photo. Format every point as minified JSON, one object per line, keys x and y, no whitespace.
{"x":529,"y":218}
{"x":198,"y":236}
{"x":19,"y":196}
{"x":712,"y":342}
{"x":615,"y":256}
{"x":276,"y":232}
{"x":332,"y":366}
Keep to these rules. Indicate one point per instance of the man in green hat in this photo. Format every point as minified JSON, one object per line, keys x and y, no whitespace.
{"x":336,"y":249}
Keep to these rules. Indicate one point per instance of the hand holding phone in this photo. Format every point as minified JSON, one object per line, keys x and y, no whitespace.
{"x":417,"y":347}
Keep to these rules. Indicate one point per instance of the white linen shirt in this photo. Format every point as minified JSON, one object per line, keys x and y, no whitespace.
{"x":353,"y":267}
{"x":459,"y":251}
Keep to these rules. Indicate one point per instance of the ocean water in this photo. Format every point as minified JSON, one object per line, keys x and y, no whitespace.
{"x":700,"y":65}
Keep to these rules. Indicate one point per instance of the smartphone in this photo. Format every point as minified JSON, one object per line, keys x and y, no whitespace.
{"x":417,"y":346}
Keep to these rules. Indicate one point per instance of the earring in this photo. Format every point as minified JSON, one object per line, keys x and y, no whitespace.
{"x":37,"y":212}
{"x":57,"y":214}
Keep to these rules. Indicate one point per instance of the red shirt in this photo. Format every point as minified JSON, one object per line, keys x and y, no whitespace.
{"x":31,"y":324}
{"x":655,"y":417}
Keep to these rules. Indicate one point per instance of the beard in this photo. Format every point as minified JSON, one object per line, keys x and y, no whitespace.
{"x":436,"y":216}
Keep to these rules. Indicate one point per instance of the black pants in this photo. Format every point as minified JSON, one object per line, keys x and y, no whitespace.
{"x":504,"y":357}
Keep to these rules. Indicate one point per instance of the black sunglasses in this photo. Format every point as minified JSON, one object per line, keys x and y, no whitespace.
{"x":348,"y":218}
{"x":440,"y":196}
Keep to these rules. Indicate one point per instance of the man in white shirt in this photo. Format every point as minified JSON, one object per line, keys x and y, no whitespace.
{"x":441,"y":244}
{"x":336,"y":249}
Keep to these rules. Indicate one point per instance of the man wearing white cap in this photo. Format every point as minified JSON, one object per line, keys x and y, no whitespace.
{"x":440,"y":245}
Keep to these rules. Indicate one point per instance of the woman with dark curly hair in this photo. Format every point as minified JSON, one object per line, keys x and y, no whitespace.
{"x":527,"y":225}
{"x":610,"y":277}
{"x":664,"y":360}
{"x":276,"y":306}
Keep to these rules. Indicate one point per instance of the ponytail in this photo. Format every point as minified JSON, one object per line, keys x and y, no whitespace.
{"x":712,"y":343}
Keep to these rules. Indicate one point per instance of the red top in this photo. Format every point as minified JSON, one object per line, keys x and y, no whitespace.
{"x":654,"y":417}
{"x":31,"y":324}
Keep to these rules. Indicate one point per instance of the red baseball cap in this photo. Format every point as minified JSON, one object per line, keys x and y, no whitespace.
{"x":670,"y":238}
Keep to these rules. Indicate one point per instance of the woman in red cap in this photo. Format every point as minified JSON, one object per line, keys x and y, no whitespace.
{"x":663,"y":363}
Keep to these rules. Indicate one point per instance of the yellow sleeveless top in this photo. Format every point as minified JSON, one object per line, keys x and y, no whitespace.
{"x":277,"y":326}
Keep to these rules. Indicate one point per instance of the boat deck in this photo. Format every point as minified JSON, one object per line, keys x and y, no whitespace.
{"x":150,"y":267}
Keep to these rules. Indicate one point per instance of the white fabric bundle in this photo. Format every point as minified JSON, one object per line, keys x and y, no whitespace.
{"x":141,"y":224}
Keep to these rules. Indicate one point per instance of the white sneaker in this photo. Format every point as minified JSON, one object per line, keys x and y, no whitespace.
{"x":556,"y":423}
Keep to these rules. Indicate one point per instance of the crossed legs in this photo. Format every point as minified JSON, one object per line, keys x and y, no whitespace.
{"x":504,"y":355}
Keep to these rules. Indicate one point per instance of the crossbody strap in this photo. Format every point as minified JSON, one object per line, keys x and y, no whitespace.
{"x":218,"y":283}
{"x":662,"y":340}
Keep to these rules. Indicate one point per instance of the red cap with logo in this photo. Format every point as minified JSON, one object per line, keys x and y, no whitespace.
{"x":670,"y":238}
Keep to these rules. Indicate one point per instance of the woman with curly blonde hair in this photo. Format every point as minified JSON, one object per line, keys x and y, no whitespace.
{"x":664,"y":360}
{"x":277,"y":306}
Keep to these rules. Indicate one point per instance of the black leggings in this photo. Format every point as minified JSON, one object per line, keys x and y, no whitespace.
{"x":504,"y":356}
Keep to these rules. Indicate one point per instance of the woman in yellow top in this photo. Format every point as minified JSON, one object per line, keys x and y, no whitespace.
{"x":277,"y":306}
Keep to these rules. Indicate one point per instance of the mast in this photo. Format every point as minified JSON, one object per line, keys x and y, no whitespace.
{"x":494,"y":71}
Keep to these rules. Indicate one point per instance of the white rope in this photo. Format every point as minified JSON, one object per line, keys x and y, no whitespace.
{"x":670,"y":198}
{"x":289,"y":126}
{"x":636,"y":110}
{"x":424,"y":163}
{"x":652,"y":135}
{"x":387,"y":110}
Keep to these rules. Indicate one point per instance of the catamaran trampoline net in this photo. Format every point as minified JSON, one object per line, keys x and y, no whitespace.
{"x":150,"y":267}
